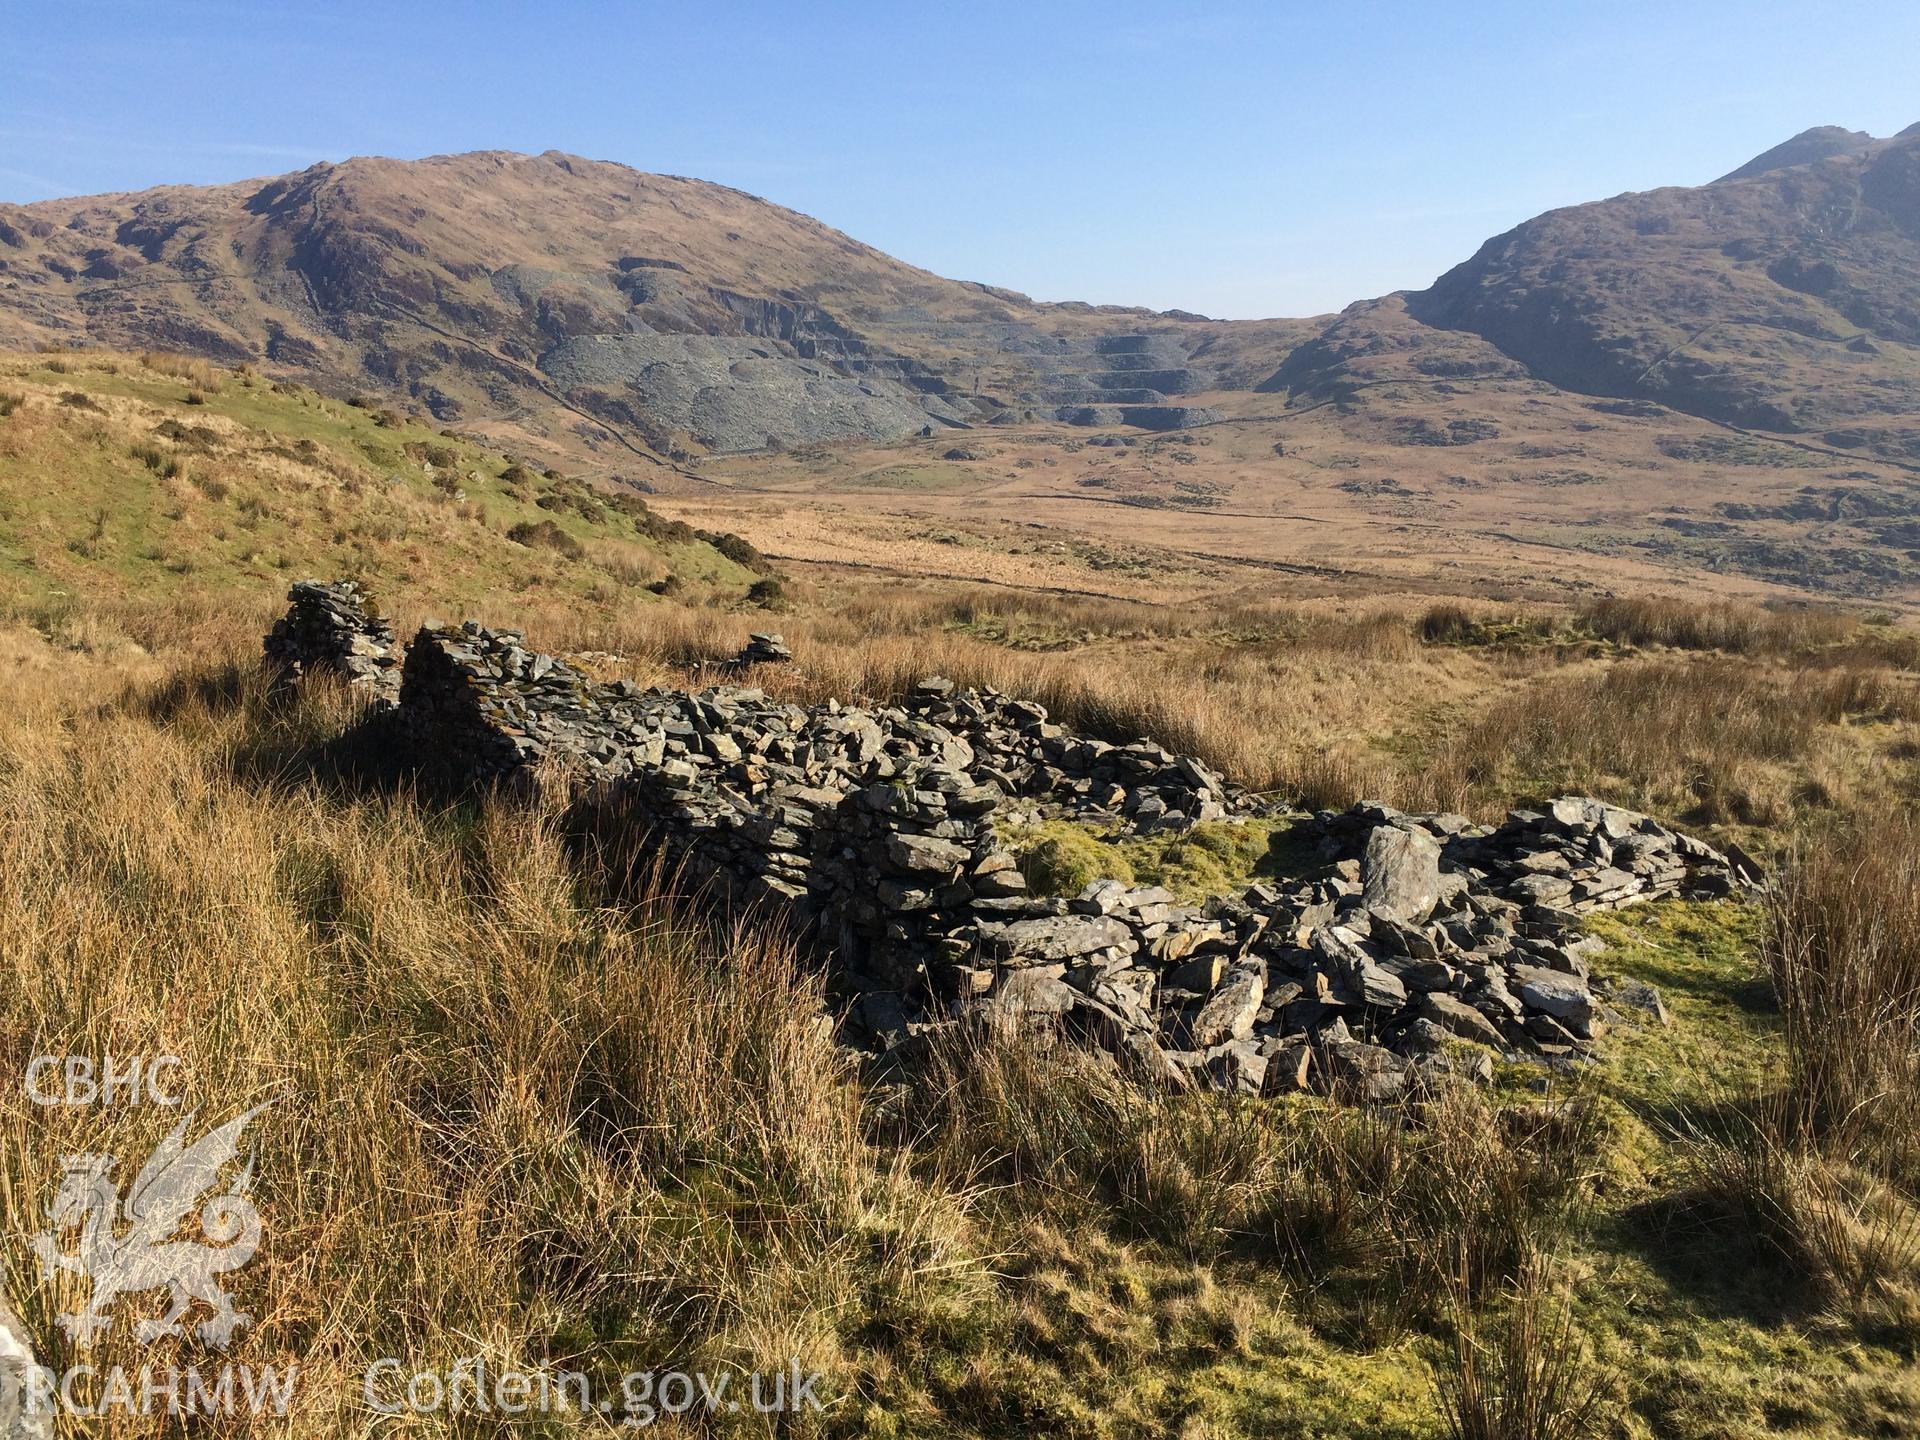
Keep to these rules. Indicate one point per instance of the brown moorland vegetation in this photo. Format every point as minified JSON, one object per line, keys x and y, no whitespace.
{"x":523,"y":1114}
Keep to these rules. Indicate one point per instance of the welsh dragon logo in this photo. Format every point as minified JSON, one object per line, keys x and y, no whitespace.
{"x":146,"y":1255}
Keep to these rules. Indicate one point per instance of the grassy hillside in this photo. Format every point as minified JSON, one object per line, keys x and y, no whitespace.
{"x":157,"y":482}
{"x":526,"y":1113}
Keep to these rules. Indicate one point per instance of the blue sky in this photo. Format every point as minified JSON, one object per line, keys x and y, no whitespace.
{"x":1238,"y":159}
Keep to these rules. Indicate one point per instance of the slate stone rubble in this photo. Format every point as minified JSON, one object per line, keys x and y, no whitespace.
{"x":1429,"y":938}
{"x":1421,"y":944}
{"x":1138,"y":788}
{"x":25,"y":1413}
{"x":331,"y":629}
{"x":762,"y":650}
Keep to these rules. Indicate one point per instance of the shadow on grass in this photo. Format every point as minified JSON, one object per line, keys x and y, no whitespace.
{"x":1698,"y":1238}
{"x":370,"y":756}
{"x":1749,"y":992}
{"x":320,"y":733}
{"x":214,"y":691}
{"x":1294,"y":853}
{"x":1712,"y":1256}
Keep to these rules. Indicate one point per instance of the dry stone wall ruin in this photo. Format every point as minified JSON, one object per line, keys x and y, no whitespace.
{"x":331,"y":630}
{"x":25,"y":1411}
{"x":1416,"y":943}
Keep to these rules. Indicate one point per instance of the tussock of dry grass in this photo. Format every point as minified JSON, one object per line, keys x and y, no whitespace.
{"x":1737,"y":629}
{"x":1521,"y":1373}
{"x":1382,"y":1207}
{"x":1824,"y":1171}
{"x":1843,"y":952}
{"x":202,"y":375}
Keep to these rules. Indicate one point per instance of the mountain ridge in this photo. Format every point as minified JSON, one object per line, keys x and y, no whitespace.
{"x":1821,"y":142}
{"x":1787,"y":301}
{"x":376,"y":272}
{"x":587,"y":309}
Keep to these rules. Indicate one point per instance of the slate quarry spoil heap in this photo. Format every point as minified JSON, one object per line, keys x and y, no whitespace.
{"x":1419,"y":944}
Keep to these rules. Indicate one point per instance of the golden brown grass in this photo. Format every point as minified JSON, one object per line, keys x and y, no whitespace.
{"x":201,"y":376}
{"x":509,"y":1120}
{"x":525,"y":1115}
{"x":1712,"y":739}
{"x":1843,"y":953}
{"x":1735,"y":628}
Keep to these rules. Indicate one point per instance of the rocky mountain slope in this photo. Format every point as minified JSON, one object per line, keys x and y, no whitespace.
{"x":1785,"y":297}
{"x":572,"y":300}
{"x":580,"y":308}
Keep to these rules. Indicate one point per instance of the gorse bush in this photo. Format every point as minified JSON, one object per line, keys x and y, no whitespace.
{"x":1448,"y":625}
{"x":547,"y":535}
{"x":736,"y":549}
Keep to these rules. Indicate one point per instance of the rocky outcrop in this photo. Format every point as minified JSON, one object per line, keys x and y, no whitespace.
{"x":731,"y":394}
{"x":1143,"y":417}
{"x":1419,"y":944}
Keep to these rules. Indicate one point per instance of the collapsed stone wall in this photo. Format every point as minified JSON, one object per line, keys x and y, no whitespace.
{"x":332,"y":630}
{"x":1420,"y":942}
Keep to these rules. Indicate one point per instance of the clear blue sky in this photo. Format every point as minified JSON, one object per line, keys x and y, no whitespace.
{"x":1236,"y":158}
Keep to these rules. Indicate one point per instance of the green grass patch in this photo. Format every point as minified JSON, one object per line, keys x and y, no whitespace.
{"x":1061,"y":857}
{"x":137,"y":495}
{"x":916,"y":477}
